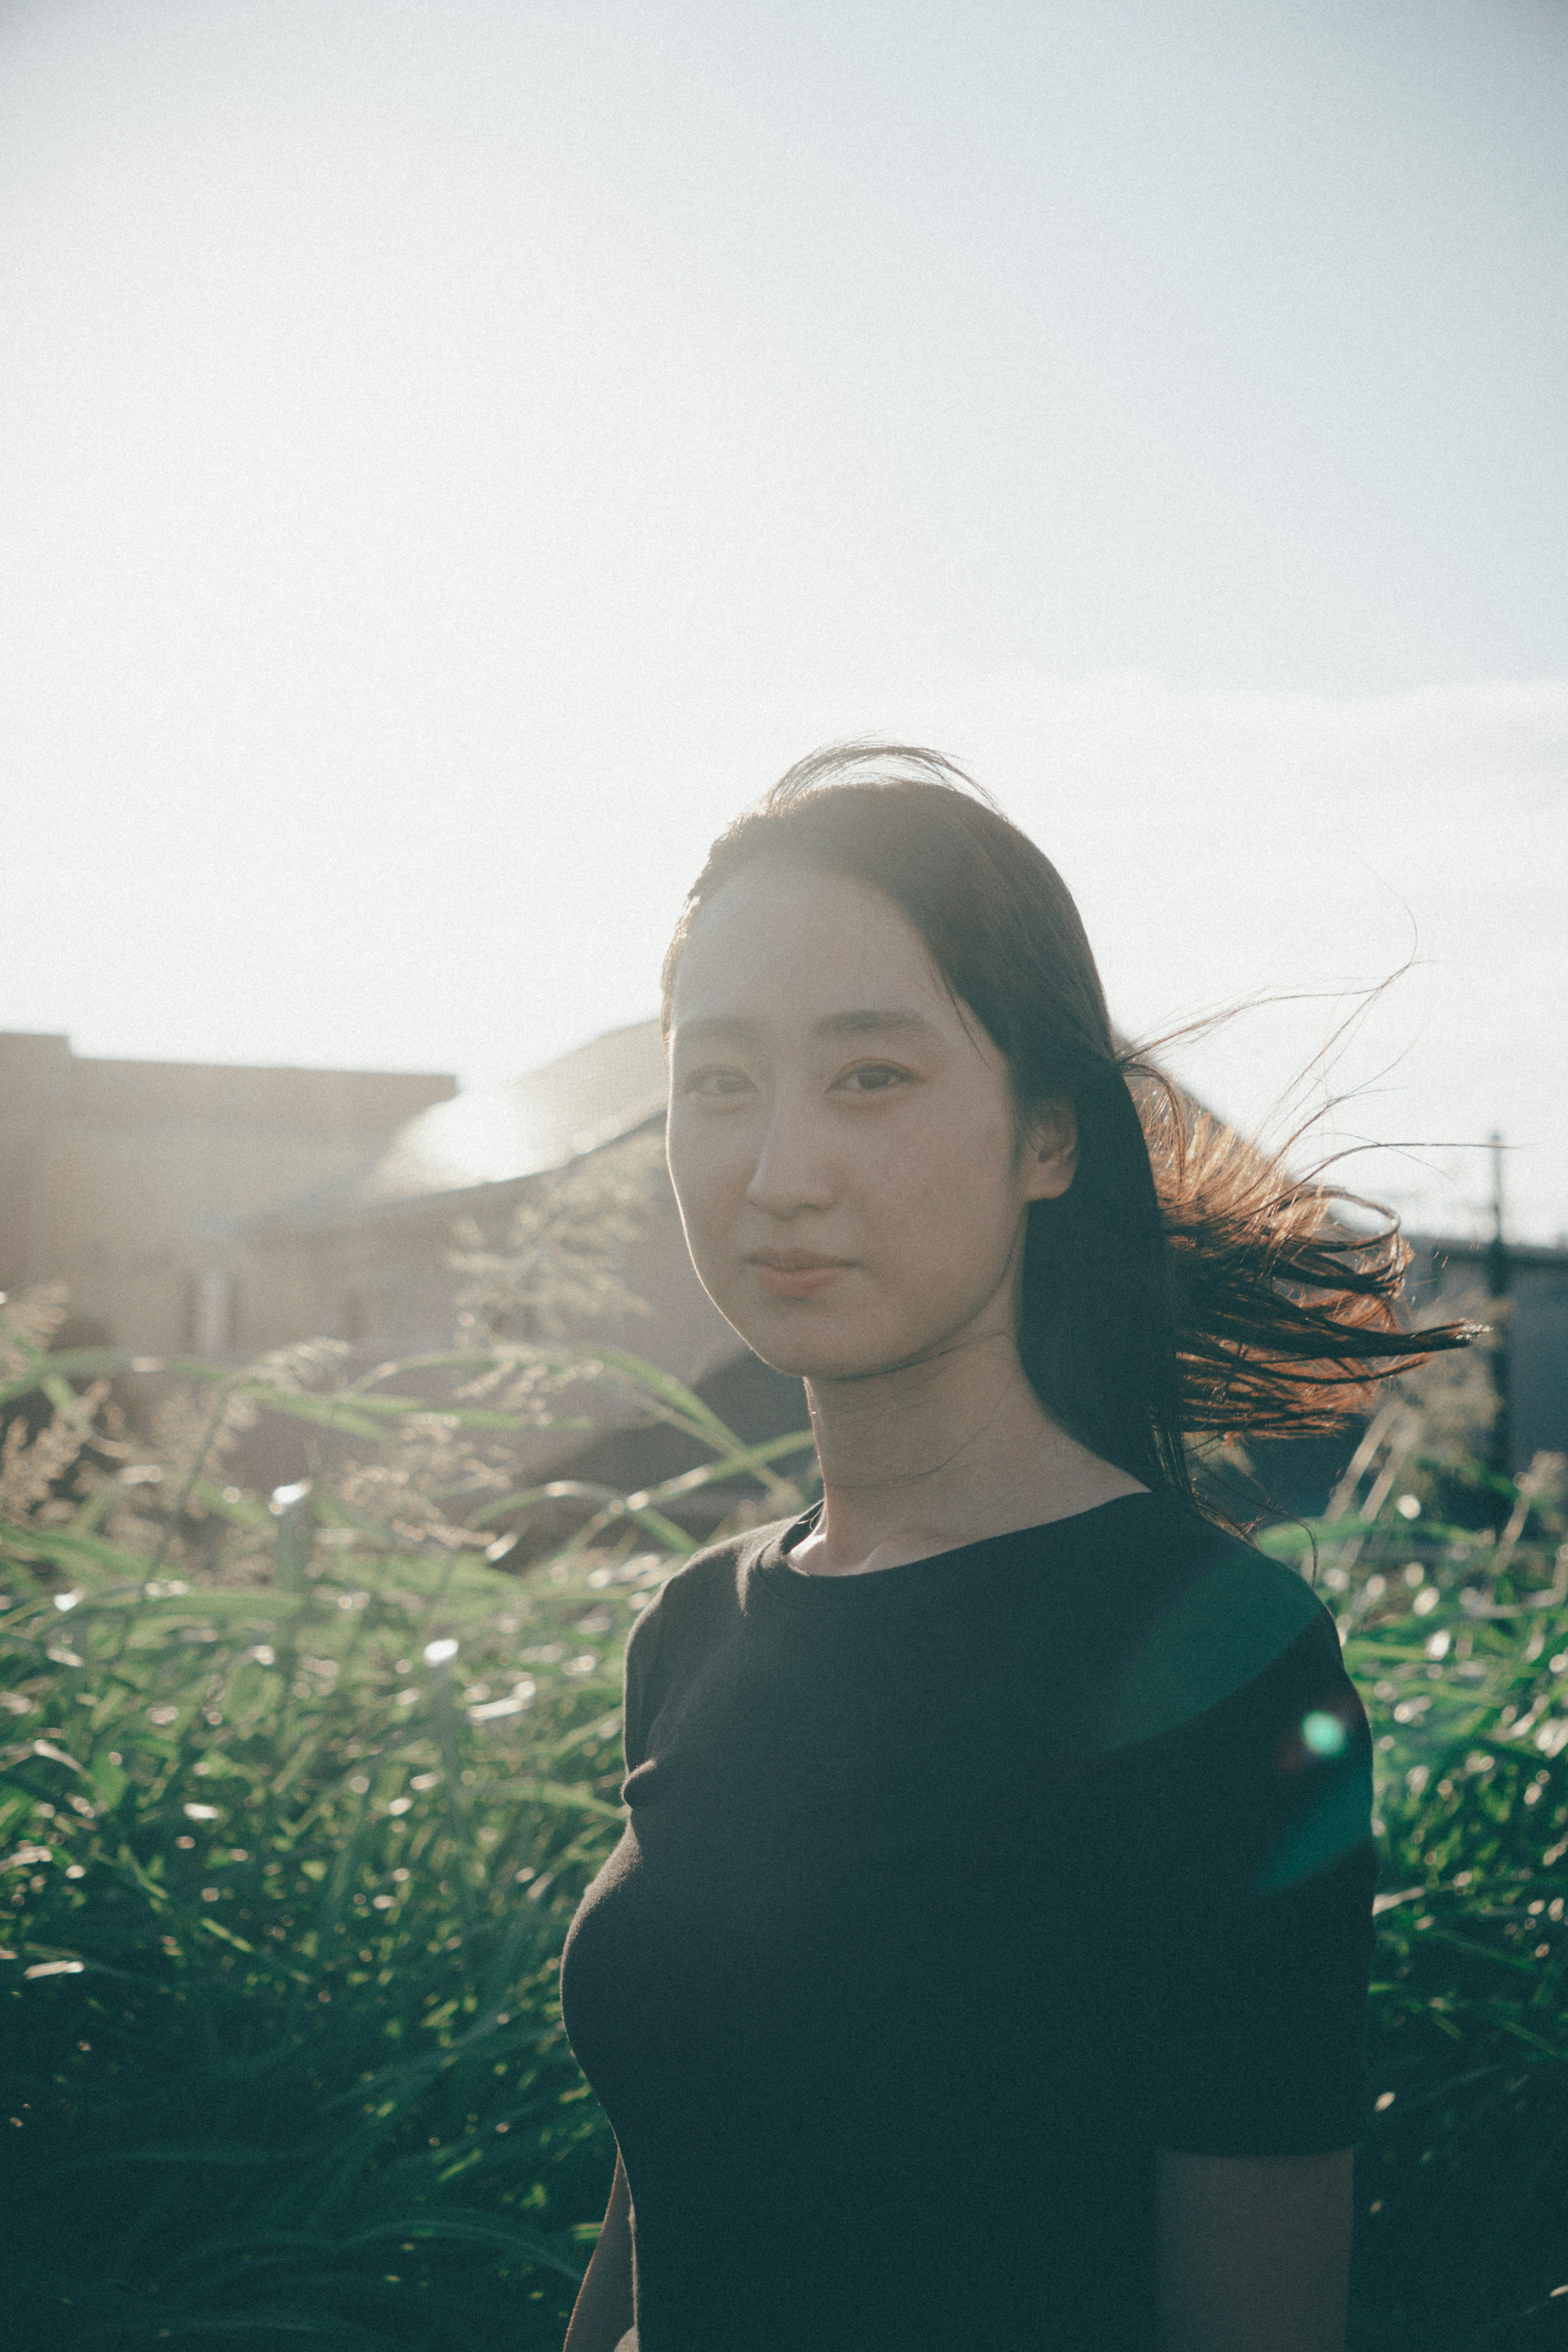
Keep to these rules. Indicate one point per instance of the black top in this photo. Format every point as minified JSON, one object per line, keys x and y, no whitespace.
{"x":950,"y":1893}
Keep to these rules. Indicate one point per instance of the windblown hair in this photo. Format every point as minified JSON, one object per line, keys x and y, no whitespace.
{"x":1185,"y":1284}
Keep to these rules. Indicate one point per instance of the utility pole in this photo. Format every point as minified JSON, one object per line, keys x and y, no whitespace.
{"x":1498,"y":1286}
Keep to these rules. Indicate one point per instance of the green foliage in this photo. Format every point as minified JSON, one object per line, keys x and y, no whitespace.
{"x":284,"y":1875}
{"x":289,"y":1843}
{"x":1456,"y":1633}
{"x":560,"y":1259}
{"x":289,"y":1898}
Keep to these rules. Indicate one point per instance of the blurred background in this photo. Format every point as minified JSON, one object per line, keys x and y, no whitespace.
{"x":453,"y":455}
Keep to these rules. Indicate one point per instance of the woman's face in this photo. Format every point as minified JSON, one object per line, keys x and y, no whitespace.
{"x":841,"y":1135}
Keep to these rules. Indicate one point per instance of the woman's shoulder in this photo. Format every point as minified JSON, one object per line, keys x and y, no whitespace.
{"x":696,"y":1609}
{"x":1217,"y":1617}
{"x":710,"y":1585}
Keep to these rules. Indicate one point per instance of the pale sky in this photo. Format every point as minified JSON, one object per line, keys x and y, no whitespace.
{"x":453,"y":455}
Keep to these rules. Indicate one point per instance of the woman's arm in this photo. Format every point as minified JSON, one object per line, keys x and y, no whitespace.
{"x":601,"y":2316}
{"x":1254,"y":2252}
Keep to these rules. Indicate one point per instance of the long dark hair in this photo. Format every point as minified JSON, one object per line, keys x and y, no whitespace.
{"x":1185,"y":1285}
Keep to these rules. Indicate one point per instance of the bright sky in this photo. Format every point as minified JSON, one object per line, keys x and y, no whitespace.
{"x":453,"y":452}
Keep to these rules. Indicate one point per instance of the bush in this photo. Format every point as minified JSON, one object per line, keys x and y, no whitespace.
{"x":299,"y":1799}
{"x":1457,"y":1636}
{"x":291,"y":1839}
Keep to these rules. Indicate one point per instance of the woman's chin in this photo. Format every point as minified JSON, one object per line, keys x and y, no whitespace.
{"x":809,"y":1349}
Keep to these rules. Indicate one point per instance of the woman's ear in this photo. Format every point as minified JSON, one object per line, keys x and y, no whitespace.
{"x":1051,"y":1151}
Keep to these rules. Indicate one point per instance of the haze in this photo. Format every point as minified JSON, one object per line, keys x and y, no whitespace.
{"x":453,"y":455}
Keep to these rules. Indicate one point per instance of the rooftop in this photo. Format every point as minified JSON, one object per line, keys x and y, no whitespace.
{"x":41,"y":1078}
{"x":499,"y":1135}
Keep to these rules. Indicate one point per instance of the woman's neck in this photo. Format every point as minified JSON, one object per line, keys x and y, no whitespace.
{"x":941,"y":1453}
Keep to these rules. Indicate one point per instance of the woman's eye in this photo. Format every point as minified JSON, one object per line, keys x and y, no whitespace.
{"x":716,"y":1085}
{"x":871,"y":1078}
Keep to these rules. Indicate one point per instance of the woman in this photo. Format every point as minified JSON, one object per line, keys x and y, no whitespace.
{"x":985,"y":1960}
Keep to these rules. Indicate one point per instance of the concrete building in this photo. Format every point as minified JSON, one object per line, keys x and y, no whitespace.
{"x":365,"y":1257}
{"x":1447,"y":1277}
{"x":132,"y":1181}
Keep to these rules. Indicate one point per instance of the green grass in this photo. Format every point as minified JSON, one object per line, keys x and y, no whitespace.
{"x":295,"y":1805}
{"x":283,"y":2041}
{"x":1462,"y":2183}
{"x":286,"y":1881}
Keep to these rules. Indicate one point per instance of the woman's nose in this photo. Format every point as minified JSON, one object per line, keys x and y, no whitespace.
{"x":792,"y":1171}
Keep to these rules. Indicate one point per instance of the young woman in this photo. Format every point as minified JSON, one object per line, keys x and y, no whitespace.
{"x":985,"y":1960}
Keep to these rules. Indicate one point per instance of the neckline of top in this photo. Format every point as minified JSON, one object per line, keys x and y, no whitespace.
{"x":934,"y":1569}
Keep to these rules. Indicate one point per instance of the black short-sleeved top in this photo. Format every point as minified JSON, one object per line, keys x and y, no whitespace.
{"x":950,"y":1893}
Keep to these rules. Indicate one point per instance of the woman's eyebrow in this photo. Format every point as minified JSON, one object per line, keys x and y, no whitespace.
{"x":874,"y":1021}
{"x":863,"y":1020}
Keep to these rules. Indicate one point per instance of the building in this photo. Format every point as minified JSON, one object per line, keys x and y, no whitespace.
{"x":365,"y":1257}
{"x":226,"y":1211}
{"x":132,"y":1181}
{"x":1450,"y":1276}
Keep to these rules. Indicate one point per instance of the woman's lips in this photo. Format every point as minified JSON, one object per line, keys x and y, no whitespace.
{"x":792,"y":1275}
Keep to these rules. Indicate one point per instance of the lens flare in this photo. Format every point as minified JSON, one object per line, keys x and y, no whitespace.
{"x":1323,"y":1733}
